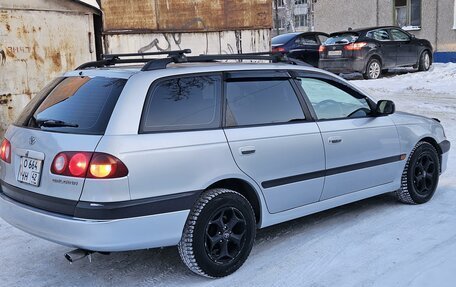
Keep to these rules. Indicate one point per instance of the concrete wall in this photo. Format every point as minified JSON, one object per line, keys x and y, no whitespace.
{"x":39,"y":40}
{"x":437,"y":20}
{"x":223,"y":42}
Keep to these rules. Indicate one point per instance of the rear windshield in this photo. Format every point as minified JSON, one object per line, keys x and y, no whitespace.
{"x":79,"y":105}
{"x":345,"y":38}
{"x":282,"y":39}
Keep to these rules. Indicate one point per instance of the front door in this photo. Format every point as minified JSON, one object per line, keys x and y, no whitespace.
{"x":406,"y":50}
{"x":272,"y":139}
{"x":362,"y":150}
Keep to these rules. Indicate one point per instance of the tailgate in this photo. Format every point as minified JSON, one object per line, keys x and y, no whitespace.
{"x":32,"y":153}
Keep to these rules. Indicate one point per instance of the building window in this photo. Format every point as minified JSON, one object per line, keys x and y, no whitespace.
{"x":280,"y":3}
{"x":408,"y":14}
{"x":300,"y":2}
{"x":300,"y":20}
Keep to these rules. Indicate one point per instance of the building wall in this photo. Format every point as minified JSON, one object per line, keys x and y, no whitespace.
{"x":206,"y":27}
{"x":223,"y":42}
{"x":39,"y":40}
{"x":437,"y":20}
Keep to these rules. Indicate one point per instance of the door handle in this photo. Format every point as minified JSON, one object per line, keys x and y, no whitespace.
{"x":334,"y":140}
{"x":247,"y":150}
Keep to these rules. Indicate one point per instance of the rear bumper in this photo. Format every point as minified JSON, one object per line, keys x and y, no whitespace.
{"x":342,"y":65}
{"x":133,"y":233}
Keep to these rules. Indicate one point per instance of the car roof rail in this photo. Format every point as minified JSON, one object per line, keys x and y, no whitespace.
{"x":157,"y":64}
{"x":178,"y":56}
{"x":113,"y":59}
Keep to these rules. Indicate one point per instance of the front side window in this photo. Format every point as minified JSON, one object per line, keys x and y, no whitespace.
{"x":408,"y":13}
{"x":331,"y":102}
{"x":185,"y":103}
{"x":261,"y":102}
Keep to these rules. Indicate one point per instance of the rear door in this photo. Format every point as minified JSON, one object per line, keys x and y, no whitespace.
{"x":362,"y":151}
{"x":272,"y":139}
{"x":387,"y":47}
{"x":70,"y":115}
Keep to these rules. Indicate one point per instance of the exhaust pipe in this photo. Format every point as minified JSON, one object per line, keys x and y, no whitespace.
{"x":78,"y":254}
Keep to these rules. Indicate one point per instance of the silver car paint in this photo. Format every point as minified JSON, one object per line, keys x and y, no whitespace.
{"x":167,"y":163}
{"x":281,"y":151}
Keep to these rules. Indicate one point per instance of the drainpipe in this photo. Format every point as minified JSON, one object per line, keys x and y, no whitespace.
{"x":378,"y":16}
{"x":277,"y":17}
{"x":436,"y":26}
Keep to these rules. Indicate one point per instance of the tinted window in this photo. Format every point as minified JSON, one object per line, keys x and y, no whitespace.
{"x":380,"y":35}
{"x":184,"y":103}
{"x":322,"y":38}
{"x":282,"y":39}
{"x":261,"y":102}
{"x":306,"y":40}
{"x":85,"y":103}
{"x":398,"y":35}
{"x":330,"y":102}
{"x":344,"y":38}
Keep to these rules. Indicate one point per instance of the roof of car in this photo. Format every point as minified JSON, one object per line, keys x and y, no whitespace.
{"x":365,"y":29}
{"x":126,"y":71}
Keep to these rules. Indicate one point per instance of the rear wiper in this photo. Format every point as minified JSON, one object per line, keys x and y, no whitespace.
{"x":342,"y":42}
{"x":55,"y":124}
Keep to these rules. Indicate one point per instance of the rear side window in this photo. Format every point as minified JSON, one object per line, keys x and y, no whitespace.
{"x":184,"y":103}
{"x":380,"y":35}
{"x":345,"y":38}
{"x":261,"y":102}
{"x":79,"y":105}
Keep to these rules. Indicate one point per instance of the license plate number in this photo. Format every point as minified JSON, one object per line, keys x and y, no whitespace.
{"x":30,"y":171}
{"x":334,"y":53}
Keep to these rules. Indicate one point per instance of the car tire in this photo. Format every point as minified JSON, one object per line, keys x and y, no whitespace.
{"x":425,"y":61}
{"x":373,"y":69}
{"x":219,"y":233}
{"x":420,"y":176}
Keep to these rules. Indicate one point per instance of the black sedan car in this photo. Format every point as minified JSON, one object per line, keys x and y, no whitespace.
{"x":372,"y":51}
{"x":301,"y":46}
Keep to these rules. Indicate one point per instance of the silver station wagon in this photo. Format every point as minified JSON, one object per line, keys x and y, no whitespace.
{"x":136,"y":151}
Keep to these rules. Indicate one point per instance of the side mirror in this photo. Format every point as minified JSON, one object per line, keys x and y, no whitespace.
{"x":385,"y":107}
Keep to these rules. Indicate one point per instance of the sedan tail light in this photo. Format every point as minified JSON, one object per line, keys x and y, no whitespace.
{"x":355,"y":46}
{"x":278,"y":50}
{"x":321,"y":49}
{"x":89,"y":165}
{"x":5,"y":151}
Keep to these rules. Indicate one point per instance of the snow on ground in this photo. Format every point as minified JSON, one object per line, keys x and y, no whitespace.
{"x":374,"y":242}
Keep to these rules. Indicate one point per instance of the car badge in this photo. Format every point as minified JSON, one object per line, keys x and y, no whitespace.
{"x":32,"y":140}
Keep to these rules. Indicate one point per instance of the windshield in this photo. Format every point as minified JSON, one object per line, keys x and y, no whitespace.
{"x":282,"y":39}
{"x":345,"y":38}
{"x":81,"y":105}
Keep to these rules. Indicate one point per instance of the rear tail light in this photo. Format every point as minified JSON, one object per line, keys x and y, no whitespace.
{"x":355,"y":46}
{"x":278,"y":50}
{"x":321,"y":49}
{"x":5,"y":151}
{"x":88,"y":164}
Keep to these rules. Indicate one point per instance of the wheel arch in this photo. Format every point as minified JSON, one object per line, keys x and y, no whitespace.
{"x":246,"y":190}
{"x":434,"y":143}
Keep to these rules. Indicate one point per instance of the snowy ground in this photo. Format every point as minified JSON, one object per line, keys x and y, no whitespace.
{"x":375,"y":242}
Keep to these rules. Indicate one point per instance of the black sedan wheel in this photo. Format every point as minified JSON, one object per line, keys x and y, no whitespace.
{"x":219,"y":233}
{"x":421,"y":175}
{"x":373,"y":69}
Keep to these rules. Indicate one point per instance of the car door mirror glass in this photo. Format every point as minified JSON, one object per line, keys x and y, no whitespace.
{"x":385,"y":107}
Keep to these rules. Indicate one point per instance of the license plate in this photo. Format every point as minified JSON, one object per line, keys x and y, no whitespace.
{"x":30,"y":171}
{"x":334,"y":53}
